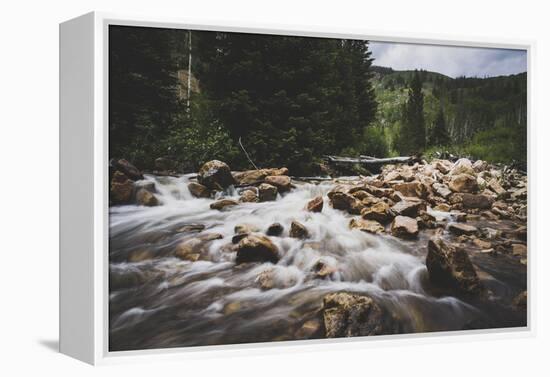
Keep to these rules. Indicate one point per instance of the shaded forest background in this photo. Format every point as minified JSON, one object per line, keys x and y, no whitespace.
{"x":292,"y":100}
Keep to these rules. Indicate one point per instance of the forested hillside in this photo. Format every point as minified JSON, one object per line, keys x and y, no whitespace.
{"x":288,"y":101}
{"x":483,"y":117}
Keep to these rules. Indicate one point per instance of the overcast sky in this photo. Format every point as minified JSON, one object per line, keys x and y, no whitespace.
{"x":451,"y":61}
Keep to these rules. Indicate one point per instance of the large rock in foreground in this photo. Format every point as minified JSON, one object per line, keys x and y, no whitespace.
{"x":215,"y":175}
{"x":256,"y":248}
{"x":450,"y":267}
{"x":347,"y":314}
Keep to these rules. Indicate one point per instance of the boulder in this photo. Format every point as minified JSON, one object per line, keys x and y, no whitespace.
{"x":215,"y":175}
{"x":323,"y":270}
{"x":127,"y":168}
{"x":412,"y":189}
{"x":193,"y":249}
{"x":441,"y":190}
{"x":380,"y":212}
{"x":346,"y":202}
{"x":460,"y":229}
{"x":267,"y":192}
{"x":519,"y":250}
{"x":198,"y":190}
{"x":275,"y":229}
{"x":348,"y":314}
{"x":408,"y":208}
{"x":443,"y":207}
{"x":369,"y":226}
{"x":249,"y":196}
{"x":223,"y":204}
{"x":463,"y":183}
{"x":256,"y":248}
{"x":480,"y":166}
{"x":478,"y":201}
{"x":463,"y":166}
{"x":282,"y":182}
{"x":146,"y":198}
{"x":444,"y":166}
{"x":484,"y":245}
{"x":315,"y":205}
{"x":248,"y":177}
{"x":122,"y":189}
{"x":404,"y":227}
{"x":496,"y":187}
{"x":362,"y":194}
{"x":450,"y":267}
{"x":298,"y":230}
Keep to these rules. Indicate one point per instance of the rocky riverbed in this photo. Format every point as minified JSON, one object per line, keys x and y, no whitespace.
{"x":223,"y":257}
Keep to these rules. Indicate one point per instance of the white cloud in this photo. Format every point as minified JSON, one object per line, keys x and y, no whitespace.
{"x":449,"y":60}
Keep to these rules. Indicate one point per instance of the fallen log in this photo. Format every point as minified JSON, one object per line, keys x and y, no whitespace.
{"x":372,"y":164}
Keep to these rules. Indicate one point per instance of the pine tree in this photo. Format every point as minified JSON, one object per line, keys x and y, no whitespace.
{"x":412,"y":133}
{"x":439,"y":135}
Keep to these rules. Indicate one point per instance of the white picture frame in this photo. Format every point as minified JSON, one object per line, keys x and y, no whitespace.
{"x":84,"y":190}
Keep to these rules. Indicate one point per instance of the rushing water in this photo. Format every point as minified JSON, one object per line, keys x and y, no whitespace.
{"x":157,"y":300}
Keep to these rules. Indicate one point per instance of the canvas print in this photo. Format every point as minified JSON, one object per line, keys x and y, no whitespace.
{"x":268,"y":188}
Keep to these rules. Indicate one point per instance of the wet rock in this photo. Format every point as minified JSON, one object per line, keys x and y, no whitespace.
{"x":310,"y":329}
{"x":265,"y":280}
{"x":122,"y":189}
{"x":256,"y":248}
{"x":408,"y":208}
{"x":443,"y":207}
{"x":463,"y":166}
{"x":198,"y":190}
{"x":238,"y":237}
{"x":192,"y":249}
{"x":501,"y":213}
{"x":323,"y":270}
{"x":249,"y":196}
{"x":190,"y":228}
{"x":426,"y":221}
{"x":140,"y":255}
{"x":282,"y":182}
{"x":267,"y":192}
{"x":519,"y":250}
{"x":361,"y":194}
{"x":315,"y":205}
{"x":519,"y":194}
{"x":125,"y":167}
{"x":459,"y":229}
{"x":380,"y":212}
{"x":125,"y":278}
{"x":369,"y":226}
{"x":254,"y":176}
{"x":275,"y":229}
{"x":347,"y":314}
{"x":145,"y":198}
{"x":216,"y":175}
{"x":404,"y":227}
{"x":482,"y":244}
{"x":450,"y":267}
{"x":478,"y":201}
{"x":298,"y":230}
{"x":412,"y":189}
{"x":346,"y":202}
{"x":223,"y":204}
{"x":520,"y":300}
{"x":490,"y":233}
{"x":463,"y":183}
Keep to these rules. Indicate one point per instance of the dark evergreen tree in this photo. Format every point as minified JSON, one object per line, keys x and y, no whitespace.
{"x":412,"y":134}
{"x":439,"y":134}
